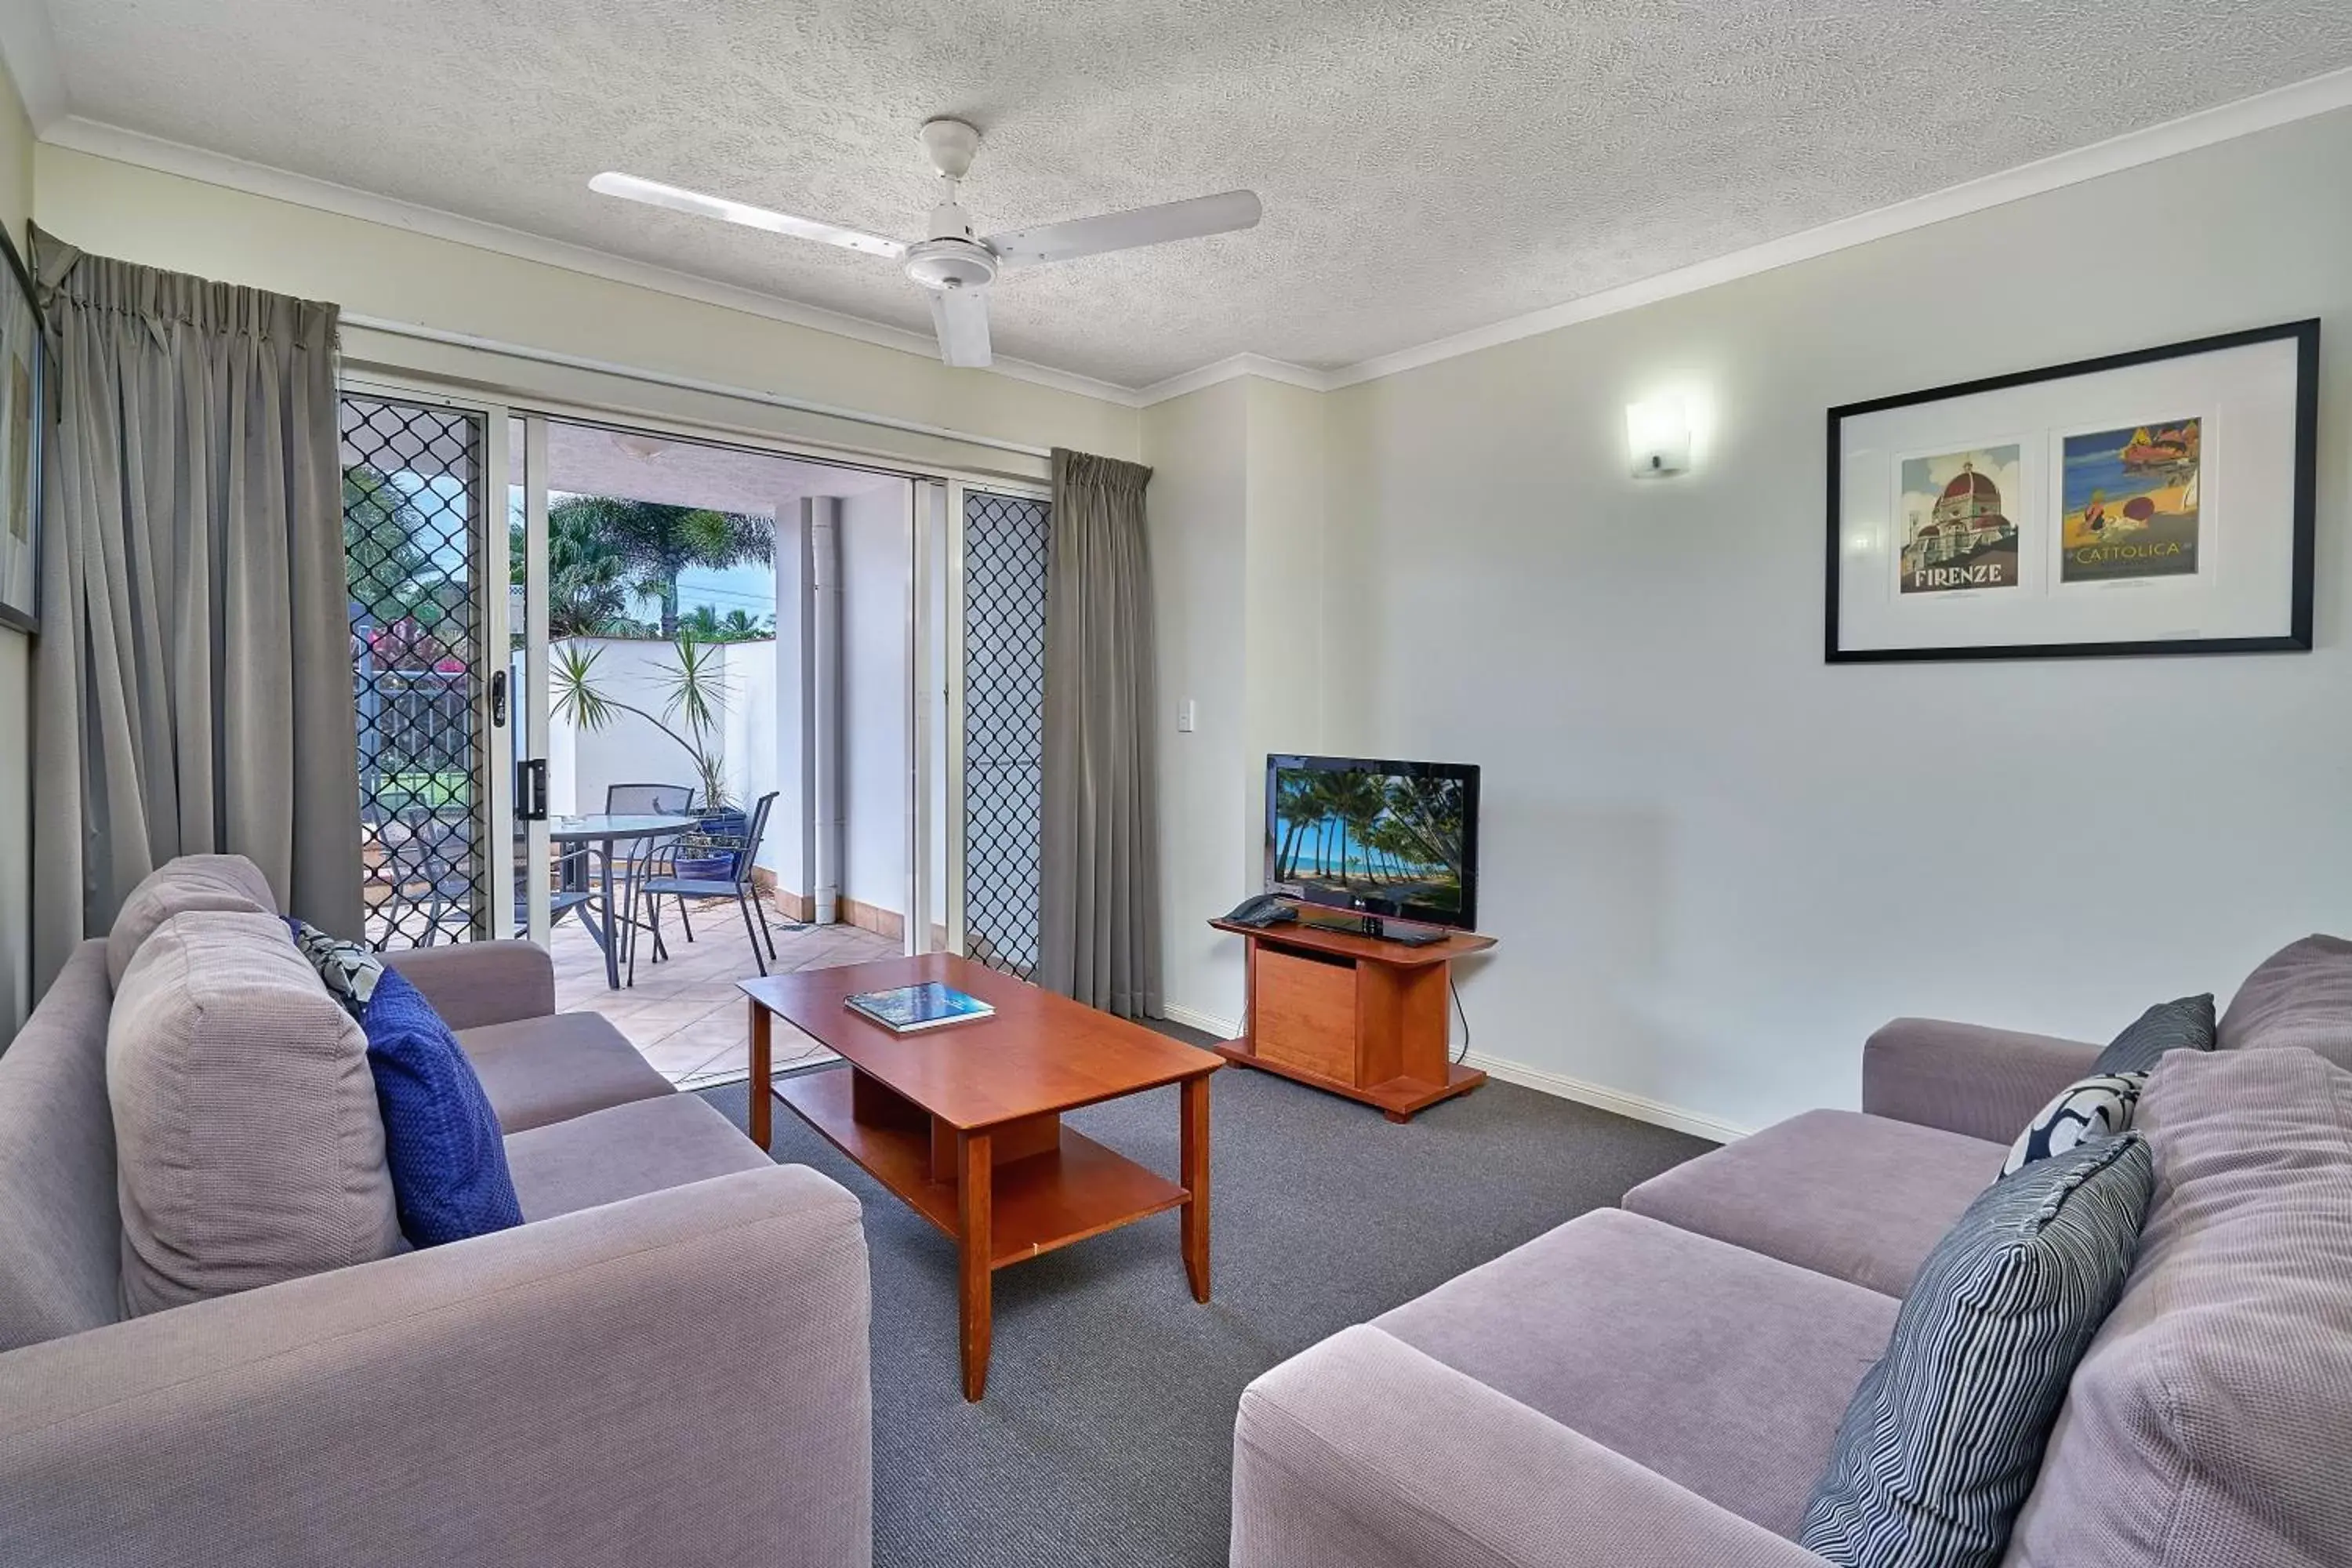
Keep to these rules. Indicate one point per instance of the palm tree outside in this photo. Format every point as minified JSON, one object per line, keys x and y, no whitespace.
{"x":655,"y":542}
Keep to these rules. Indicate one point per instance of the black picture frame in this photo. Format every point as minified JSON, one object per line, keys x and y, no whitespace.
{"x":2297,"y":638}
{"x":27,"y":616}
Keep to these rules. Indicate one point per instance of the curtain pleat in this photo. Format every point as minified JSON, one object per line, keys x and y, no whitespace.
{"x":1099,"y":858}
{"x":192,"y":681}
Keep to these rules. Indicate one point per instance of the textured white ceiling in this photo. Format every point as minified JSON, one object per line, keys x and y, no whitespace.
{"x":1427,"y":167}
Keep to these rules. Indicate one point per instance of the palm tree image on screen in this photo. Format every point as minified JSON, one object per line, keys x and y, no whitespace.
{"x":1362,"y":836}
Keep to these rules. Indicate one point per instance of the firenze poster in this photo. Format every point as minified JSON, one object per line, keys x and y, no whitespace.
{"x":2153,"y":501}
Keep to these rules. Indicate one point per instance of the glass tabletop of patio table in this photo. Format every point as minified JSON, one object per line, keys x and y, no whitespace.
{"x":622,"y":825}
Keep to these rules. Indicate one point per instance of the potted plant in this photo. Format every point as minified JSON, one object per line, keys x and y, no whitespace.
{"x":696,"y":696}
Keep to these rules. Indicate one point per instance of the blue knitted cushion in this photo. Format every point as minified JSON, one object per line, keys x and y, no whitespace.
{"x":442,"y":1140}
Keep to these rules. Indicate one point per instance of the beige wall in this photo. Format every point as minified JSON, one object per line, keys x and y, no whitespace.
{"x":1711,"y":858}
{"x":15,"y":719}
{"x":1197,"y":508}
{"x":1239,"y":563}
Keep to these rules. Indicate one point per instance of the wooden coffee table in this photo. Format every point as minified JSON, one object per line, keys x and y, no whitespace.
{"x":964,"y":1122}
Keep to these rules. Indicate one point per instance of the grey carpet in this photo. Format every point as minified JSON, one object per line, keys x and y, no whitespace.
{"x":1107,"y":1436}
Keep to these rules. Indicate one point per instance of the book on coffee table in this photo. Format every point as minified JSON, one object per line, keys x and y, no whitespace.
{"x":909,"y":1009}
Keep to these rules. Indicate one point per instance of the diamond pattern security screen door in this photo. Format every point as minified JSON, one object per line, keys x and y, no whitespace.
{"x":1004,"y":548}
{"x":412,"y":488}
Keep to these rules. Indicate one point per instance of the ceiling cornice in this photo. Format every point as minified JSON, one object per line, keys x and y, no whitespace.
{"x":2281,"y":106}
{"x":1259,"y":365}
{"x":30,"y":54}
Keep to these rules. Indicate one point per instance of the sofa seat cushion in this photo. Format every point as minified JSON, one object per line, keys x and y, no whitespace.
{"x":627,"y":1151}
{"x":2211,"y":1421}
{"x":538,"y":1070}
{"x":1720,"y":1369}
{"x":219,"y":882}
{"x":1859,"y":1198}
{"x":2300,"y":996}
{"x":248,"y":1148}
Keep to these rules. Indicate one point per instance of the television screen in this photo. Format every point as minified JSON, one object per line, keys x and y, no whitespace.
{"x":1392,"y":839}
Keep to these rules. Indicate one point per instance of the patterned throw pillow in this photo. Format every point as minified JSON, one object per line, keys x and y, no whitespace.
{"x":2185,"y":1024}
{"x":350,"y":969}
{"x":1945,"y":1435}
{"x":2096,"y":1107}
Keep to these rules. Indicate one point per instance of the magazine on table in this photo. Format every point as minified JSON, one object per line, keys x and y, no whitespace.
{"x":909,"y":1009}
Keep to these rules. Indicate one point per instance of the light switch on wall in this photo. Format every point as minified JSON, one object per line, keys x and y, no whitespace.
{"x":1185,"y":717}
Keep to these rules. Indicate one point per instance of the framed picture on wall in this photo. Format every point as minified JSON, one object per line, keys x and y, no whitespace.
{"x":2159,"y":502}
{"x":23,"y":394}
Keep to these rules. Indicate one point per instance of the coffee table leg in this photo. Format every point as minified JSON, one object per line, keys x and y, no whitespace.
{"x":763,"y":1098}
{"x":1194,"y":1174}
{"x":974,"y":1248}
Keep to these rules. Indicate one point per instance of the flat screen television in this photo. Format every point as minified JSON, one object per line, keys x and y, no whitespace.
{"x":1386,"y":840}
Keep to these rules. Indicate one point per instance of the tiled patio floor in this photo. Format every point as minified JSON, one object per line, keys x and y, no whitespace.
{"x":684,"y":1015}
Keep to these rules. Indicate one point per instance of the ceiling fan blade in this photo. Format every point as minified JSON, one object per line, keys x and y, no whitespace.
{"x":961,"y":315}
{"x":1219,"y":214}
{"x":653,"y":193}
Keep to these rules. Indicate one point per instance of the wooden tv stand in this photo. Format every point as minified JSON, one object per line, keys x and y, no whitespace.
{"x":1352,"y":1014}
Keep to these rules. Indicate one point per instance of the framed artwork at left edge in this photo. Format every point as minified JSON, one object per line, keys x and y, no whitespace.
{"x":25,"y":378}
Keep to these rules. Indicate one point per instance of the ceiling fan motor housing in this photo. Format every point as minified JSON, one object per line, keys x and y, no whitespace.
{"x":951,"y":264}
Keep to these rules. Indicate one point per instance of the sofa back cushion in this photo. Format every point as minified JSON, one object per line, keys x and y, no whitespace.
{"x":248,"y":1143}
{"x":2211,"y":1421}
{"x":2300,"y":996}
{"x":190,"y":882}
{"x":60,"y":1233}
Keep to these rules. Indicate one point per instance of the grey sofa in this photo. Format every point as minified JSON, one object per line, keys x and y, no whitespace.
{"x":666,"y":1365}
{"x":1659,"y":1385}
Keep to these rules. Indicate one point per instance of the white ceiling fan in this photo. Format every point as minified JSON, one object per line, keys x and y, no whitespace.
{"x":953,"y":265}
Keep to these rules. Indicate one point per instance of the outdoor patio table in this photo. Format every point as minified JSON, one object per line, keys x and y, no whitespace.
{"x":606,"y":831}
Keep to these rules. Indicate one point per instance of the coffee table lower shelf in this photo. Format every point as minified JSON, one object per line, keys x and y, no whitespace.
{"x":1041,"y":1202}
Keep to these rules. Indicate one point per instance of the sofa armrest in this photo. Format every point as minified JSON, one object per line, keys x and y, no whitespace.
{"x":680,"y":1378}
{"x":1364,"y":1453}
{"x":471,"y":984}
{"x":1963,"y":1077}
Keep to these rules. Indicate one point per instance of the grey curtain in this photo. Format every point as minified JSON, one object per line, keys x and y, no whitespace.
{"x":192,"y":685}
{"x":1099,"y":861}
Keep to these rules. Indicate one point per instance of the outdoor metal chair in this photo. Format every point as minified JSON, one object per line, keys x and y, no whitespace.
{"x":742,"y":850}
{"x":636,"y":862}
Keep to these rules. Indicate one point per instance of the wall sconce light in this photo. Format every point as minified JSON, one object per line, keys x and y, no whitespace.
{"x":1658,"y":437}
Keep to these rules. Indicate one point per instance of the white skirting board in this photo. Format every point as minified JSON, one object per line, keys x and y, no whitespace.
{"x":1634,"y":1105}
{"x":1207,"y":1023}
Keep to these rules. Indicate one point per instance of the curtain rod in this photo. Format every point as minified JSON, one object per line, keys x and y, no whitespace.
{"x":682,"y":383}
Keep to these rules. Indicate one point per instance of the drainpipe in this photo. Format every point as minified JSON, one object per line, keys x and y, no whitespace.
{"x":824,"y":674}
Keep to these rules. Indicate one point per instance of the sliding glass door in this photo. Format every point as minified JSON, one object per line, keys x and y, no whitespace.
{"x":547,"y":610}
{"x":428,"y":684}
{"x":997,"y":726}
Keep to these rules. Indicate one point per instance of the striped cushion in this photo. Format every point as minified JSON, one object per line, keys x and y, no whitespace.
{"x":1945,"y":1433}
{"x":2185,"y":1024}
